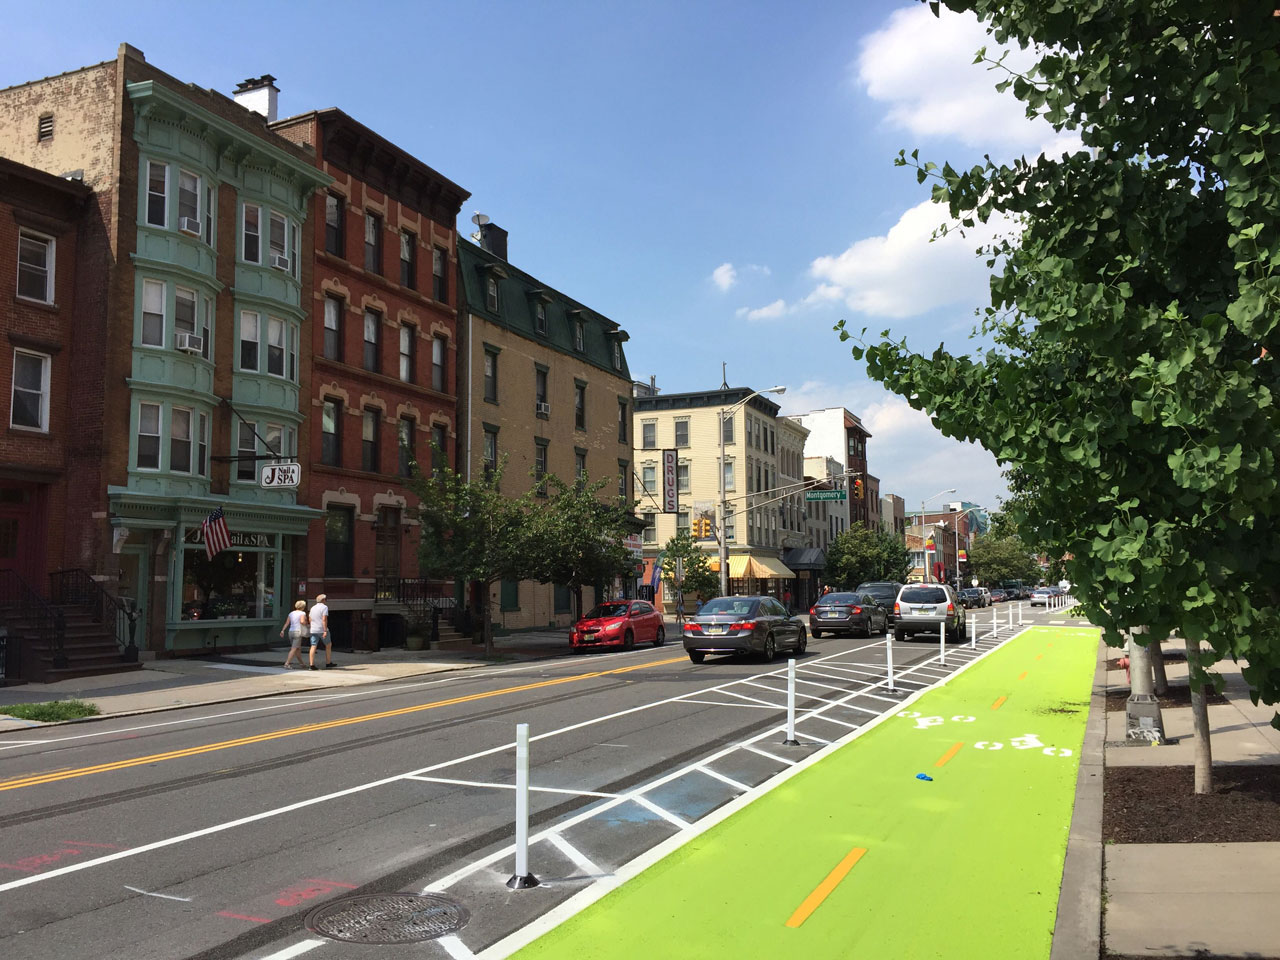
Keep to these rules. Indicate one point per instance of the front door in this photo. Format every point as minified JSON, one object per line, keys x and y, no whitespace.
{"x":21,"y":543}
{"x":134,"y":574}
{"x":386,"y":550}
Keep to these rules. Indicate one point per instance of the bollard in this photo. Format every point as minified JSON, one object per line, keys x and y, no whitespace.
{"x":1019,"y":613}
{"x":942,"y":642}
{"x":791,"y":740}
{"x":1010,"y":616}
{"x":995,"y":627}
{"x":522,"y":879}
{"x":888,"y":655}
{"x":973,"y":633}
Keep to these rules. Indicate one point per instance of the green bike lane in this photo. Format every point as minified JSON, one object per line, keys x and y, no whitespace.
{"x":855,"y":856}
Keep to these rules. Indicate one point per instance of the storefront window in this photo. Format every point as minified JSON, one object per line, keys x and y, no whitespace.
{"x":233,"y":585}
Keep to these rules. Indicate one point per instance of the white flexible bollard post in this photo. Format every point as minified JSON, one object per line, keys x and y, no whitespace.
{"x":888,"y":656}
{"x":791,"y":740}
{"x":995,"y":628}
{"x":1011,"y":616}
{"x":942,"y":642}
{"x":1019,"y":613}
{"x":522,"y":879}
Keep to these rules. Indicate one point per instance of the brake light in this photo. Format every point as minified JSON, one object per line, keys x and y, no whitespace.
{"x":693,"y":627}
{"x":856,"y":609}
{"x":811,"y":609}
{"x":897,"y":608}
{"x":951,"y":607}
{"x":748,"y":625}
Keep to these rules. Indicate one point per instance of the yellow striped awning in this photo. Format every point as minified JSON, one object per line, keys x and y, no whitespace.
{"x":737,"y":565}
{"x":765,"y":567}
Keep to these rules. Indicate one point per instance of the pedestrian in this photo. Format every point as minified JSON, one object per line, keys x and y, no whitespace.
{"x":319,"y":618}
{"x":296,"y":624}
{"x":786,"y":599}
{"x":697,"y":604}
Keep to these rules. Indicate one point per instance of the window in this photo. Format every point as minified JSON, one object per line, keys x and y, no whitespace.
{"x":292,"y":372}
{"x":649,"y":478}
{"x":579,"y":336}
{"x":404,"y":438}
{"x":408,"y":260}
{"x":275,"y":346}
{"x":726,"y":429}
{"x":30,"y":401}
{"x":372,"y":331}
{"x":491,"y":376}
{"x":331,"y":433}
{"x":650,"y":528}
{"x":649,"y":436}
{"x":540,"y":468}
{"x":251,"y":248}
{"x":617,"y":355}
{"x":246,"y":452}
{"x":491,"y":293}
{"x":773,"y":446}
{"x":540,"y":317}
{"x":373,"y":242}
{"x":180,"y":440}
{"x":369,"y":459}
{"x":210,"y":215}
{"x":202,"y":444}
{"x":44,"y":128}
{"x":729,"y":480}
{"x":682,"y":522}
{"x":580,"y":406}
{"x":277,"y":239}
{"x":490,"y":451}
{"x":509,"y":595}
{"x":624,"y":479}
{"x":408,"y":338}
{"x":682,"y":433}
{"x":439,"y":450}
{"x":184,"y":311}
{"x":333,"y":313}
{"x":439,"y":351}
{"x":540,"y":393}
{"x":35,"y":266}
{"x":157,"y":194}
{"x":682,"y":477}
{"x":273,"y":440}
{"x":622,"y":421}
{"x":335,"y":222}
{"x":439,"y":263}
{"x":580,"y":465}
{"x":338,"y":541}
{"x":153,"y":294}
{"x":730,"y":530}
{"x":250,"y":336}
{"x":148,"y":436}
{"x":188,"y":201}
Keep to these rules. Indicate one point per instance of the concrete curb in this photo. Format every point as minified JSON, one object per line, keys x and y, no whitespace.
{"x":1077,"y":934}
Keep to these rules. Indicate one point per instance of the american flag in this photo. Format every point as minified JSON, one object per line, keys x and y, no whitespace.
{"x":216,"y":535}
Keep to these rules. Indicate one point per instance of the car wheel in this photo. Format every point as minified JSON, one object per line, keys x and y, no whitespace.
{"x":770,"y":649}
{"x":697,"y":656}
{"x":898,"y":634}
{"x":817,"y":634}
{"x":802,"y":644}
{"x":660,"y":637}
{"x":629,"y":641}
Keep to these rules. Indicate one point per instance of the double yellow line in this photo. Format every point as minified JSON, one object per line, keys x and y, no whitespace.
{"x":53,"y":776}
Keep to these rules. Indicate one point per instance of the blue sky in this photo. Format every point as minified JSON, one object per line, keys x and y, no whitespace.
{"x":716,"y":177}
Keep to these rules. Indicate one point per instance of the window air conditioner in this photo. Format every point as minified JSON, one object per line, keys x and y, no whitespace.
{"x":279,"y":262}
{"x":189,"y":225}
{"x":188,"y":343}
{"x":543,"y":408}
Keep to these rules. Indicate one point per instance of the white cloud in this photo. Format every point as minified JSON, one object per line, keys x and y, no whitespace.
{"x":724,"y":276}
{"x":922,"y":68}
{"x":770,"y":311}
{"x":902,"y":273}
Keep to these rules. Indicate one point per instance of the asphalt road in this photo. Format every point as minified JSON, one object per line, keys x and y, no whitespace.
{"x":213,"y":832}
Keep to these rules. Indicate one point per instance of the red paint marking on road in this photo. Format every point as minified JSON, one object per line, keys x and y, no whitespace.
{"x":86,"y":843}
{"x":10,"y":866}
{"x":241,"y":916}
{"x":332,"y":883}
{"x":298,"y":893}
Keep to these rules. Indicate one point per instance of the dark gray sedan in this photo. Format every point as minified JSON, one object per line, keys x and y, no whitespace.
{"x":856,"y":613}
{"x":759,"y":625}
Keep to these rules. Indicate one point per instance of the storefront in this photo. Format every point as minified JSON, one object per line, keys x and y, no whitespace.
{"x":757,"y":575}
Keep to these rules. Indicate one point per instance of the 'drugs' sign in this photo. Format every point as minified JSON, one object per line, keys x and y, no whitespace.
{"x":670,"y":492}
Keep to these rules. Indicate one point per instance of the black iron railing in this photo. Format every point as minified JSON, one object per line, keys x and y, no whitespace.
{"x":75,"y":587}
{"x":27,"y":614}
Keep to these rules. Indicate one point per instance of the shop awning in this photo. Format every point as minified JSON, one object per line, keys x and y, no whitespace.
{"x":804,"y":558}
{"x":737,"y":565}
{"x":766,"y":567}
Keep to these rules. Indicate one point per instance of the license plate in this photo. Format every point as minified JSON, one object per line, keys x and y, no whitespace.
{"x":716,"y":630}
{"x":831,"y":615}
{"x":924,"y":610}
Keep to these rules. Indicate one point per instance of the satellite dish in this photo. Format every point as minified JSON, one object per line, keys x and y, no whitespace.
{"x":479,"y":219}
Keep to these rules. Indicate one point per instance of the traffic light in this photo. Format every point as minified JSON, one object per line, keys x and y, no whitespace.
{"x":857,"y":488}
{"x":700,"y":527}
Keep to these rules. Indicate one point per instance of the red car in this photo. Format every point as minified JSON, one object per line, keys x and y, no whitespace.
{"x":619,"y":623}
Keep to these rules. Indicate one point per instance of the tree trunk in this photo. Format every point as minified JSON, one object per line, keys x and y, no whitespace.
{"x":486,"y":619}
{"x":1142,"y":718}
{"x":1140,"y":678}
{"x":1157,"y":666}
{"x":1198,"y":678}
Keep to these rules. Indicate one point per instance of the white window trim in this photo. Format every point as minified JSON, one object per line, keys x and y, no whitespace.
{"x":159,"y":435}
{"x":282,"y":346}
{"x":46,"y":373}
{"x":147,"y":195}
{"x":164,"y":314}
{"x":242,"y":450}
{"x":191,"y":443}
{"x":256,"y":339}
{"x":199,"y":197}
{"x":244,"y":231}
{"x":50,"y":260}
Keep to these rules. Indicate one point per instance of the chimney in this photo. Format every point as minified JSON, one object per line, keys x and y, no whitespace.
{"x":493,"y":239}
{"x":259,"y":94}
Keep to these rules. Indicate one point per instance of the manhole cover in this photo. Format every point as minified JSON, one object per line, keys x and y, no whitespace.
{"x":388,"y":918}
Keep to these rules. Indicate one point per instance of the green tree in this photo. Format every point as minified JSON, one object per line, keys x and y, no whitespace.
{"x":472,"y":531}
{"x":1127,"y":366}
{"x":698,"y":575}
{"x":857,"y":555}
{"x":576,"y":538}
{"x":996,"y":559}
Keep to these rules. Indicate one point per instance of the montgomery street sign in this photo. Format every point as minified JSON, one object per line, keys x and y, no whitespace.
{"x":825,"y":495}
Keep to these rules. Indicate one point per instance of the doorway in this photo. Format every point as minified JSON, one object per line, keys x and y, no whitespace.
{"x":386,"y":549}
{"x":135,"y":570}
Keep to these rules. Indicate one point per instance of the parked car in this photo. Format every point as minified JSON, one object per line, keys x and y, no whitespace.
{"x":618,"y":623}
{"x":924,"y":608}
{"x":743,"y":625}
{"x":1040,"y":596}
{"x":972,"y":597}
{"x":998,"y":595}
{"x":885,"y":593}
{"x":858,"y":613}
{"x":986,"y":595}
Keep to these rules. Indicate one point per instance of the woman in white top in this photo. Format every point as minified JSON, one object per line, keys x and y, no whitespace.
{"x":296,"y":624}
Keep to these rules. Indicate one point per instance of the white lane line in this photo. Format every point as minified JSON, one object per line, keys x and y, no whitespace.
{"x":851,"y":726}
{"x":580,"y":859}
{"x":782,"y":691}
{"x":455,"y":947}
{"x":743,"y":696}
{"x":512,"y":786}
{"x":162,"y":896}
{"x":665,"y":814}
{"x":745,"y":706}
{"x":815,"y":738}
{"x":737,"y":785}
{"x":297,"y":950}
{"x":766,"y":753}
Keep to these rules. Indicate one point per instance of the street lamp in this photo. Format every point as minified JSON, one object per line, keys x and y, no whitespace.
{"x":724,"y":506}
{"x":924,"y":552}
{"x":957,"y":533}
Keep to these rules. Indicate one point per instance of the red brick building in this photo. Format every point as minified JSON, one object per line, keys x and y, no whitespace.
{"x":40,"y":220}
{"x":383,"y":359}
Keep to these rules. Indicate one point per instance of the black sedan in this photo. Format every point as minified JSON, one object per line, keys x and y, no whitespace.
{"x":759,"y":625}
{"x":856,"y":613}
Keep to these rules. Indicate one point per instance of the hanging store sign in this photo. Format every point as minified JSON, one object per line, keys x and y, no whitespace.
{"x":670,"y":492}
{"x":280,"y":475}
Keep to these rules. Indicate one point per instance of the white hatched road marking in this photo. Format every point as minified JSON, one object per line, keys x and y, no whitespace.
{"x":766,"y":753}
{"x":512,"y":786}
{"x":722,"y":778}
{"x":665,"y":814}
{"x":455,"y":947}
{"x":580,"y":859}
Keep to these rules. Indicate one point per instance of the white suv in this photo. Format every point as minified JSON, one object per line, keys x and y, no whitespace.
{"x":926,"y":607}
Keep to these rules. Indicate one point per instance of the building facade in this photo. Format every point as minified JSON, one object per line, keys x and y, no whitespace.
{"x":893,"y":518}
{"x":383,"y":357}
{"x":836,"y":433}
{"x":543,"y":387}
{"x":198,"y":320}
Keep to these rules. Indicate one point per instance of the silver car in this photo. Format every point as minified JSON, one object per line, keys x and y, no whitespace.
{"x":926,"y":607}
{"x":743,"y":625}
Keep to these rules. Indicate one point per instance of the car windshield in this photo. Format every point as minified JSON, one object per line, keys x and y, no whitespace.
{"x":602,"y":610}
{"x":837,"y":598}
{"x":1042,"y":591}
{"x":880,"y":590}
{"x":734,"y":606}
{"x":969,"y":593}
{"x":924,"y":595}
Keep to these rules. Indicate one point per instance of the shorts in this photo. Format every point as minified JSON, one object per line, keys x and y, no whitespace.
{"x":317,"y":639}
{"x":295,"y":639}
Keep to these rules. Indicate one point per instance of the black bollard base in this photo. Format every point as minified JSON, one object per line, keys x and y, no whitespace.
{"x":523,"y":883}
{"x":791,"y":743}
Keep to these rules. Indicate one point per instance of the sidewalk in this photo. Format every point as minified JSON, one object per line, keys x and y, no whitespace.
{"x":172,"y":684}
